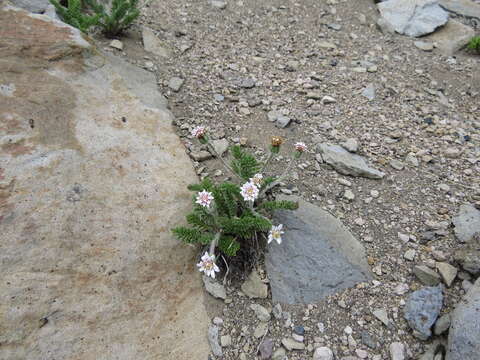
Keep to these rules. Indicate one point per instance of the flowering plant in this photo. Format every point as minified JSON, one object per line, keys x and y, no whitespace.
{"x":230,"y":215}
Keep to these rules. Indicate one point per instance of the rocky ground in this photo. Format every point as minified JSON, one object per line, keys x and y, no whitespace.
{"x":322,"y":72}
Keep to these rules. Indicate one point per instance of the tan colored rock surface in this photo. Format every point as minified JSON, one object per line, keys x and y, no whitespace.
{"x":92,"y":178}
{"x":452,"y":37}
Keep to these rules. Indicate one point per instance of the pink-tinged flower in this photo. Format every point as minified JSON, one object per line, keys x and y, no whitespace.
{"x":199,"y":132}
{"x":204,"y":198}
{"x":257,"y":179}
{"x":249,"y":191}
{"x":300,"y":147}
{"x":275,"y":234}
{"x":207,"y":265}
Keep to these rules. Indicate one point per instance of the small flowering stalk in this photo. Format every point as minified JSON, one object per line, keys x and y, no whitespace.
{"x":277,"y":141}
{"x":201,"y":134}
{"x":207,"y":265}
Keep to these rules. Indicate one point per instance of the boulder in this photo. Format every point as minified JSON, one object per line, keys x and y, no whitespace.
{"x":452,"y":37}
{"x":347,"y":163}
{"x":413,"y":17}
{"x":466,"y":8}
{"x":422,"y":309}
{"x":467,"y":222}
{"x":464,"y":339}
{"x":317,"y":258}
{"x":88,"y":196}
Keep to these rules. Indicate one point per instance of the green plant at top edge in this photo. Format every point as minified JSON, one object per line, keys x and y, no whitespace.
{"x":120,"y":16}
{"x":75,"y":15}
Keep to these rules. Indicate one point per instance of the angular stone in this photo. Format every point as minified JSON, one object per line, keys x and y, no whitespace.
{"x":467,"y":222}
{"x":463,"y":338}
{"x":469,"y":256}
{"x":219,"y":4}
{"x":422,"y":309}
{"x":214,"y":288}
{"x":448,"y":272}
{"x":254,"y":287}
{"x":452,"y":37}
{"x":201,"y":155}
{"x":89,"y":266}
{"x":220,"y":146}
{"x":266,"y":349}
{"x":262,"y":313}
{"x":116,"y":44}
{"x":369,"y":92}
{"x":153,"y":44}
{"x":350,"y":145}
{"x":397,"y":351}
{"x":283,"y":121}
{"x":323,"y":353}
{"x":413,"y":17}
{"x":466,"y":8}
{"x":423,"y":45}
{"x":346,"y":163}
{"x":442,"y":324}
{"x":226,"y":341}
{"x":279,"y":354}
{"x":260,"y":330}
{"x":291,"y":344}
{"x":426,"y":275}
{"x":382,"y":315}
{"x":213,"y":340}
{"x":314,"y":243}
{"x":175,"y":83}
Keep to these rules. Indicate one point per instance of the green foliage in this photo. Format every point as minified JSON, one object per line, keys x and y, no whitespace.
{"x":113,"y":22}
{"x":474,"y":44}
{"x":75,"y":15}
{"x":119,"y":18}
{"x":244,"y":164}
{"x":229,"y":222}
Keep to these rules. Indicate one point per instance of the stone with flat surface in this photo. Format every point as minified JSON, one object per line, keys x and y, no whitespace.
{"x":317,"y":258}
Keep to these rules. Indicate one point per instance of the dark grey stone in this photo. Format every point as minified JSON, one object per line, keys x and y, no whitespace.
{"x":464,"y":333}
{"x":317,"y":258}
{"x":422,"y":309}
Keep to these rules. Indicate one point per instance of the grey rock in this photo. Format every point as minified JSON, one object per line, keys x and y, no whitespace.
{"x":382,"y":315}
{"x":218,"y":4}
{"x":214,"y":288}
{"x":266,"y":349}
{"x":467,"y":222}
{"x":413,"y":17}
{"x":369,"y":92}
{"x":326,"y":45}
{"x":368,"y":340}
{"x":279,"y":354}
{"x":51,"y":12}
{"x":396,"y":164}
{"x":426,"y":275}
{"x":176,"y":83}
{"x":34,"y":6}
{"x":213,"y":340}
{"x":351,"y":145}
{"x":283,"y":121}
{"x":274,"y":115}
{"x":116,"y":44}
{"x":464,"y":339}
{"x":334,"y":26}
{"x":260,"y":330}
{"x":201,"y":155}
{"x":410,"y":255}
{"x":315,"y":242}
{"x":346,"y":163}
{"x":153,"y":44}
{"x":226,"y":341}
{"x":254,"y":287}
{"x":291,"y":344}
{"x":469,"y":256}
{"x":247,"y":83}
{"x":328,"y":100}
{"x":452,"y":37}
{"x":442,"y":324}
{"x":438,"y":346}
{"x":423,"y":45}
{"x":262,"y":313}
{"x":397,"y":351}
{"x":220,"y":146}
{"x":422,"y":309}
{"x":447,"y":271}
{"x":323,"y":353}
{"x":466,"y":8}
{"x":277,"y":311}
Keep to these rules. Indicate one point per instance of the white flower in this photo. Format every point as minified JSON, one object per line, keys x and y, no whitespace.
{"x":257,"y":179}
{"x":204,"y":198}
{"x":207,"y":265}
{"x":198,"y":132}
{"x":249,"y":191}
{"x":300,"y":146}
{"x":275,"y":234}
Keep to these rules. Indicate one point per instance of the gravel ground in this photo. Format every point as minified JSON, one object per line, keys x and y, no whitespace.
{"x":422,"y":129}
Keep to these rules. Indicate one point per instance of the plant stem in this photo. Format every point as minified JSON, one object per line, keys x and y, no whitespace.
{"x":214,"y":243}
{"x":270,"y":157}
{"x":210,"y":146}
{"x":280,"y":179}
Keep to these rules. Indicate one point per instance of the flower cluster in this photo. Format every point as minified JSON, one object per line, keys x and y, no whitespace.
{"x":249,"y":191}
{"x":204,"y":198}
{"x":275,"y":234}
{"x":207,"y":265}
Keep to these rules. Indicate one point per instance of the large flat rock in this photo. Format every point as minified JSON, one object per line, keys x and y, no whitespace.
{"x":92,"y":178}
{"x":317,"y":257}
{"x":413,"y":17}
{"x":452,"y":37}
{"x":463,"y":338}
{"x":462,"y":7}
